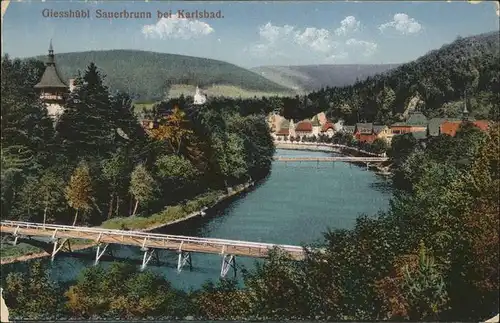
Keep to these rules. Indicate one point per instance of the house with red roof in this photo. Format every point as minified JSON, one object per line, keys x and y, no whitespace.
{"x":451,"y":127}
{"x":304,"y":128}
{"x":328,"y":129}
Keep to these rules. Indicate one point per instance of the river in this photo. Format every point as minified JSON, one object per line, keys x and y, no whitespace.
{"x":294,"y":205}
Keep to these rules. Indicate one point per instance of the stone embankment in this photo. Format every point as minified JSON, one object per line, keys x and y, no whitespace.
{"x":231,"y":193}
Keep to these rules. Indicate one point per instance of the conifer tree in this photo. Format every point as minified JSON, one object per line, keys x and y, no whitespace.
{"x":86,"y":128}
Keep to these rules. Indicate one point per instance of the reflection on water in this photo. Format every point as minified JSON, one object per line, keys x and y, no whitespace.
{"x":296,"y":204}
{"x":383,"y":185}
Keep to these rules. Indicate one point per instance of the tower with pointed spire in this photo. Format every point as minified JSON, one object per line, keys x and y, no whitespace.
{"x":52,"y":88}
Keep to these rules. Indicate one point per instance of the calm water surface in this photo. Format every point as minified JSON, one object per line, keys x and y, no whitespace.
{"x":294,"y":205}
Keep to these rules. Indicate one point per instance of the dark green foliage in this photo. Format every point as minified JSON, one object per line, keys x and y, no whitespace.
{"x":380,"y":146}
{"x":27,"y":131}
{"x":87,"y":127}
{"x":21,"y":288}
{"x":122,"y":292}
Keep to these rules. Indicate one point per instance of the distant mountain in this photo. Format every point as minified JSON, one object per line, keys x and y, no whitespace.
{"x":313,"y":77}
{"x":145,"y":74}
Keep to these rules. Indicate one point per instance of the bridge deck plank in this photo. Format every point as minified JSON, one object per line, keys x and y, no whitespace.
{"x":210,"y":246}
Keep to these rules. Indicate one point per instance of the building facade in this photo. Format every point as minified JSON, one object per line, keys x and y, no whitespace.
{"x":416,"y":122}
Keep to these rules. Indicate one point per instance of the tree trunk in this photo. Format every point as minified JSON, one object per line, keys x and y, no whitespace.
{"x":110,"y":210}
{"x":45,"y":215}
{"x":130,"y":205}
{"x":179,"y":146}
{"x":135,"y":207}
{"x":117,"y":208}
{"x":76,"y":216}
{"x":96,"y":206}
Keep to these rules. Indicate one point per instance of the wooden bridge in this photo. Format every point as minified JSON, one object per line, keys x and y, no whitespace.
{"x":149,"y":242}
{"x":332,"y":159}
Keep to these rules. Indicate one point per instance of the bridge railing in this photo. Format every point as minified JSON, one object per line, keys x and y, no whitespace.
{"x":343,"y":158}
{"x":145,"y":235}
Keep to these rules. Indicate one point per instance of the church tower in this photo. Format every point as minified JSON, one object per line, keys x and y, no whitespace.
{"x":51,"y":87}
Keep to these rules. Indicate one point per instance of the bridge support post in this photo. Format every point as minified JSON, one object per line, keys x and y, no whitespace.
{"x":148,"y":254}
{"x":16,"y":236}
{"x":58,"y":245}
{"x":367,"y":166}
{"x":228,"y":262}
{"x":184,"y":258}
{"x":99,"y":253}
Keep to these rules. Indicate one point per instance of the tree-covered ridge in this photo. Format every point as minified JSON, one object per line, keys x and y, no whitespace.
{"x":436,"y":84}
{"x":98,"y":163}
{"x":147,"y":75}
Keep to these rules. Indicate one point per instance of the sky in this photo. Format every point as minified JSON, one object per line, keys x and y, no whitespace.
{"x":252,"y":34}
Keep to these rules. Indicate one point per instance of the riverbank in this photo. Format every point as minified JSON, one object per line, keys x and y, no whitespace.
{"x":336,"y":148}
{"x":172,"y":215}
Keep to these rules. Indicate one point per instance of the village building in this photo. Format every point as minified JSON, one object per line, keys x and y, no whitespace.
{"x":382,"y":132}
{"x":349,"y":130}
{"x":451,"y":127}
{"x":283,"y":131}
{"x":322,"y":118}
{"x":51,"y":88}
{"x":316,"y":126}
{"x":416,"y":122}
{"x":364,"y":132}
{"x":328,"y":129}
{"x":304,"y":128}
{"x":274,"y":122}
{"x":339,"y":125}
{"x":434,"y":126}
{"x":199,"y":97}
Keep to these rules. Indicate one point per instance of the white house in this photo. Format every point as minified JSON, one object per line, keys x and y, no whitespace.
{"x":199,"y":98}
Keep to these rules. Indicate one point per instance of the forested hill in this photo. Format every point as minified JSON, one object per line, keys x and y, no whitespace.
{"x":144,"y":74}
{"x":314,"y":77}
{"x":435,"y":83}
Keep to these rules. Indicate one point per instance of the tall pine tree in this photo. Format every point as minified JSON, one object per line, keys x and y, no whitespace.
{"x":86,"y":128}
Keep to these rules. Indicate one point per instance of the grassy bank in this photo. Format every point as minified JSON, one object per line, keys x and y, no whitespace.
{"x":171,"y":213}
{"x":10,"y":253}
{"x":21,"y":249}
